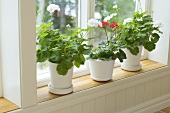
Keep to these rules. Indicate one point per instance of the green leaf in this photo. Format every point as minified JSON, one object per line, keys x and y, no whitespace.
{"x":156,"y":38}
{"x":134,"y":51}
{"x":62,"y":69}
{"x":150,"y":46}
{"x":77,"y":64}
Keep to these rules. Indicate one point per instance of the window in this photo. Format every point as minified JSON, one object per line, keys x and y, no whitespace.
{"x":81,"y":11}
{"x":68,"y":9}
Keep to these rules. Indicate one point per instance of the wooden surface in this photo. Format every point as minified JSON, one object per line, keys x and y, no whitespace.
{"x":86,"y":82}
{"x":165,"y":110}
{"x":6,"y":106}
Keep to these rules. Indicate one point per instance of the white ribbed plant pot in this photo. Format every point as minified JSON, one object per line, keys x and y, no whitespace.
{"x":60,"y":84}
{"x":132,"y":63}
{"x":101,"y":70}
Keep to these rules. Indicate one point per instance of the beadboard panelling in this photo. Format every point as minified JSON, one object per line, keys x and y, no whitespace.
{"x":110,"y":106}
{"x":165,"y":85}
{"x":148,"y":91}
{"x":120,"y":101}
{"x":78,"y":108}
{"x":65,"y":110}
{"x":139,"y":94}
{"x":54,"y":112}
{"x":88,"y":106}
{"x":130,"y":97}
{"x":157,"y":87}
{"x":100,"y":104}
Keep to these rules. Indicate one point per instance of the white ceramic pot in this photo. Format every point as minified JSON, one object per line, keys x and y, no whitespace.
{"x":101,"y":70}
{"x":60,"y":84}
{"x":132,"y":63}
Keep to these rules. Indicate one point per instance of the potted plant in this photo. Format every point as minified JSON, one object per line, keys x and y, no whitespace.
{"x":136,"y":33}
{"x":63,"y":51}
{"x":102,"y":58}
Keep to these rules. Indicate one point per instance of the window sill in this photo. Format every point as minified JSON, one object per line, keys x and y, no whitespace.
{"x":85,"y":82}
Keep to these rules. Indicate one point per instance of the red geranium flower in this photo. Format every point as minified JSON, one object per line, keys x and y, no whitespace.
{"x":113,"y":25}
{"x":105,"y":24}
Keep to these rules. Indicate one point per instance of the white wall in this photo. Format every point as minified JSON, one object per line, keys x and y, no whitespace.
{"x":161,"y":11}
{"x":10,"y":50}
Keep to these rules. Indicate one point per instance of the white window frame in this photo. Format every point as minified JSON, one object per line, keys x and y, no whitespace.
{"x":87,"y":8}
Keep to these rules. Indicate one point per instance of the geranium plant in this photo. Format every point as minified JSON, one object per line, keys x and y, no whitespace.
{"x":140,"y":30}
{"x":108,"y":49}
{"x":66,"y":50}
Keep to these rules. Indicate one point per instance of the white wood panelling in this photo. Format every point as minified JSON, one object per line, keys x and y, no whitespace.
{"x":156,"y":87}
{"x":65,"y":110}
{"x":130,"y":97}
{"x":148,"y":91}
{"x":139,"y":94}
{"x":100,"y":104}
{"x":78,"y":108}
{"x":110,"y":103}
{"x":54,"y":112}
{"x":120,"y":101}
{"x":88,"y":106}
{"x":165,"y":85}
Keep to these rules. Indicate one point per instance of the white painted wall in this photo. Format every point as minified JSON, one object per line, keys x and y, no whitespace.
{"x":161,"y":11}
{"x":10,"y":50}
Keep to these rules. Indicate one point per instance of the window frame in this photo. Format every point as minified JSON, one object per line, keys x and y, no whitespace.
{"x":87,"y":8}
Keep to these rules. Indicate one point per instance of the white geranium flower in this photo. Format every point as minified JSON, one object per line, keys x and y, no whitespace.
{"x":93,"y":22}
{"x":157,"y":24}
{"x":107,"y":18}
{"x":115,"y":7}
{"x":127,"y":20}
{"x":52,"y":7}
{"x":114,"y":14}
{"x":68,"y":26}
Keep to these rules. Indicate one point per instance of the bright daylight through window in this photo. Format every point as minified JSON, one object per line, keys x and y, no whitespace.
{"x":70,"y":9}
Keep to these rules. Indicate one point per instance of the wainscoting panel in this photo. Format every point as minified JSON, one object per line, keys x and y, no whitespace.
{"x":110,"y":103}
{"x":136,"y":96}
{"x":78,"y":108}
{"x":100,"y":104}
{"x":165,"y":89}
{"x":157,"y":87}
{"x":139,"y":94}
{"x":88,"y":106}
{"x":65,"y":110}
{"x":130,"y":97}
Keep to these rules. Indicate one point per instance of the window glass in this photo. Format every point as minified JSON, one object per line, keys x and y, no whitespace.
{"x":68,"y":10}
{"x":104,"y":8}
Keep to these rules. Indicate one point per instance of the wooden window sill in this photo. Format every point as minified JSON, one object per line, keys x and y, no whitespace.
{"x":85,"y":82}
{"x":82,"y":83}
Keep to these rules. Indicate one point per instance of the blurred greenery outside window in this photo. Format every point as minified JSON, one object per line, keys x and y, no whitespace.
{"x":104,"y":8}
{"x":70,"y":8}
